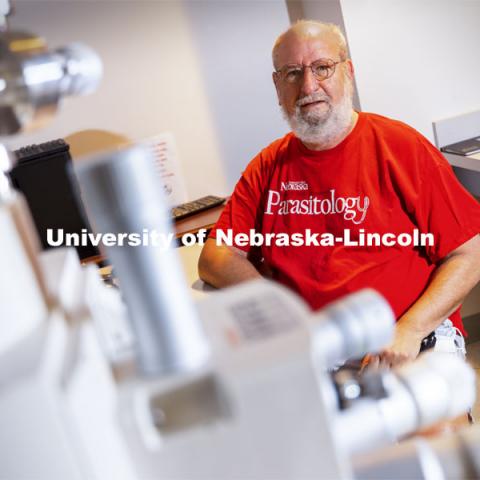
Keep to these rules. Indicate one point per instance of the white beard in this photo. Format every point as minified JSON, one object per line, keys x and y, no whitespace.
{"x":324,"y":128}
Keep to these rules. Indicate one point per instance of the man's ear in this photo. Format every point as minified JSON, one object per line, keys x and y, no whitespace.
{"x":275,"y":82}
{"x":350,"y":68}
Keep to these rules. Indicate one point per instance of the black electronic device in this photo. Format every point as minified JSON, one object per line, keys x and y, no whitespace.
{"x":44,"y":175}
{"x":196,"y":206}
{"x":465,"y":147}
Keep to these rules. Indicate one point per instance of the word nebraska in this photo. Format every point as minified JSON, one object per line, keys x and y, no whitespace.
{"x":359,"y":239}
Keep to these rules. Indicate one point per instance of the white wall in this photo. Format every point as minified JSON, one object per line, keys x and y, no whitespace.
{"x":416,"y":60}
{"x":233,"y":40}
{"x":151,"y":83}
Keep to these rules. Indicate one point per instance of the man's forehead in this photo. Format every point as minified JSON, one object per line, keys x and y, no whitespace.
{"x":296,"y":47}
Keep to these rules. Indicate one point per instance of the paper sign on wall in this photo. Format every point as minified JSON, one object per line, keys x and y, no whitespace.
{"x":164,"y":149}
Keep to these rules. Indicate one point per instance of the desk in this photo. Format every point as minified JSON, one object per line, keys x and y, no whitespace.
{"x":470,"y":162}
{"x":193,"y":224}
{"x":188,"y":255}
{"x":189,"y":260}
{"x":467,"y":170}
{"x":453,"y":130}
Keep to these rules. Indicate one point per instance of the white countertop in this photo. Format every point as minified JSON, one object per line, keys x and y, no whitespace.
{"x":471,"y":162}
{"x":189,"y":259}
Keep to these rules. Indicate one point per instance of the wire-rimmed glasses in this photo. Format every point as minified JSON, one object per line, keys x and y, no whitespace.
{"x":322,"y":69}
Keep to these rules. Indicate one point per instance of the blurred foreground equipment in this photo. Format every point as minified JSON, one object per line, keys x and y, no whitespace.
{"x":237,"y":386}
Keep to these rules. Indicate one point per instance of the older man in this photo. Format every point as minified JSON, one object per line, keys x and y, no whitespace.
{"x":348,"y":174}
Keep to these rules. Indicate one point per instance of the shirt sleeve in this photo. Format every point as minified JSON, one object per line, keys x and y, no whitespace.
{"x":445,"y":208}
{"x":244,"y":210}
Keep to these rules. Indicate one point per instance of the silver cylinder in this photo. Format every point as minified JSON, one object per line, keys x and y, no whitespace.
{"x":123,"y":194}
{"x":357,"y":324}
{"x":33,"y":80}
{"x":435,"y":387}
{"x":82,"y":68}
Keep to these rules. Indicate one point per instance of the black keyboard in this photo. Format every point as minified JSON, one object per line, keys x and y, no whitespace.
{"x":32,"y":152}
{"x":196,"y":206}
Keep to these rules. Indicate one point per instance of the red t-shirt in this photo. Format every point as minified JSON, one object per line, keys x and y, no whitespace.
{"x":383,"y":178}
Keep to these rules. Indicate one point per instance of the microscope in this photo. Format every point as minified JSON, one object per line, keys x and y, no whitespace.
{"x":141,"y":382}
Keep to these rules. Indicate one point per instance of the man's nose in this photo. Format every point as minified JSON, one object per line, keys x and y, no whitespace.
{"x":309,"y":82}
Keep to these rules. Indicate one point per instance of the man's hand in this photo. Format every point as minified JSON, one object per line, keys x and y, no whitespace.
{"x":404,"y":347}
{"x":455,"y":276}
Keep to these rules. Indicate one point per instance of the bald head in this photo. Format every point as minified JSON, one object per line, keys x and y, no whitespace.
{"x":329,"y":33}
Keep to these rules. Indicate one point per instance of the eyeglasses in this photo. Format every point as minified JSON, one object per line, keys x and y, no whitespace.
{"x":322,"y":69}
